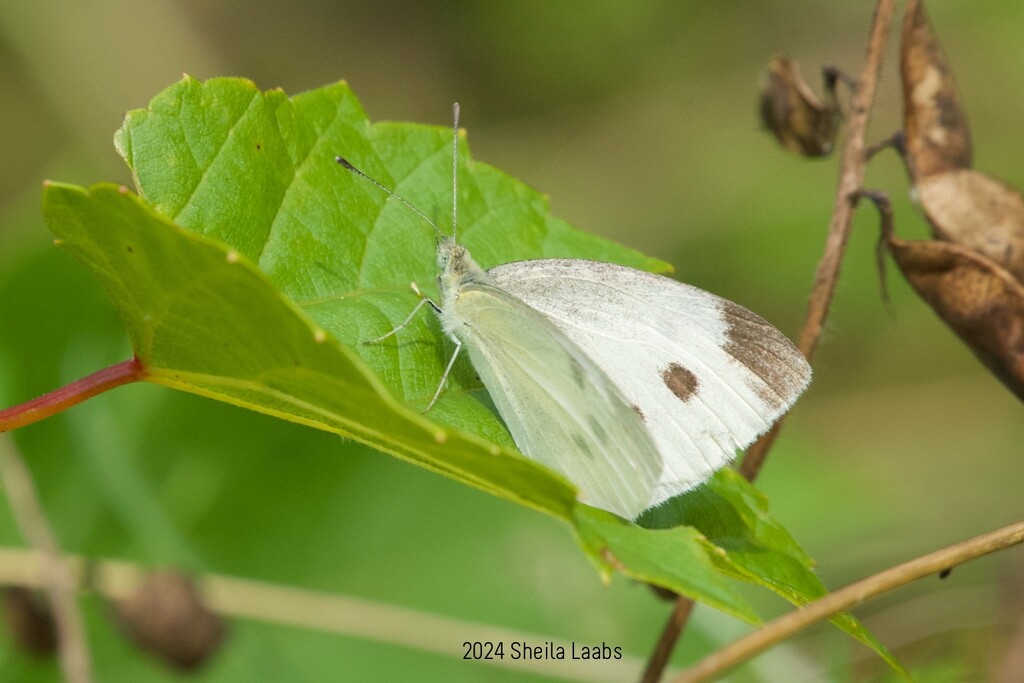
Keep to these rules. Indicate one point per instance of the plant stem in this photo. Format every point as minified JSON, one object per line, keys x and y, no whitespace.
{"x":667,"y":640}
{"x":59,"y":582}
{"x":401,"y":628}
{"x":850,"y":596}
{"x":61,"y":399}
{"x":851,"y":177}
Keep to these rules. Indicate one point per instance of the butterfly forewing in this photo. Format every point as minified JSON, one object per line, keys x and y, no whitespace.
{"x":561,"y":408}
{"x":706,"y":375}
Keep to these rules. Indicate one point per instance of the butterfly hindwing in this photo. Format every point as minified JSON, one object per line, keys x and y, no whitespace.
{"x":560,"y":406}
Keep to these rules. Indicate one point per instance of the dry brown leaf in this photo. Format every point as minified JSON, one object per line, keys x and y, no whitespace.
{"x":976,"y":211}
{"x":938,"y":138}
{"x":800,"y":120}
{"x":982,"y":302}
{"x":30,"y":620}
{"x":166,"y":617}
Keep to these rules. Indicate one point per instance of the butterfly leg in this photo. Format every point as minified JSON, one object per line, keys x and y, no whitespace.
{"x":408,"y":319}
{"x":444,"y":377}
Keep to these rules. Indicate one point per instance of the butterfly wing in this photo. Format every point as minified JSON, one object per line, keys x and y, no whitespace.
{"x":707,"y":375}
{"x":560,"y":407}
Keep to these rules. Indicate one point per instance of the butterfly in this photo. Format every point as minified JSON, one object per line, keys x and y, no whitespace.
{"x":634,"y":386}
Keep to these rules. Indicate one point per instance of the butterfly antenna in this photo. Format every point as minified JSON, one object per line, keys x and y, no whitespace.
{"x":455,"y":167}
{"x":348,"y":164}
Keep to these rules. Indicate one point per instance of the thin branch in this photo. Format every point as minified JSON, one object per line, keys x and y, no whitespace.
{"x":658,"y":661}
{"x":59,"y":582}
{"x":851,"y":177}
{"x":333,"y":613}
{"x":61,"y":399}
{"x":850,"y":596}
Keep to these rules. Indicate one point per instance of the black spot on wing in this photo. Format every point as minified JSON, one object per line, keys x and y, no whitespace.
{"x":680,"y":381}
{"x":636,"y":409}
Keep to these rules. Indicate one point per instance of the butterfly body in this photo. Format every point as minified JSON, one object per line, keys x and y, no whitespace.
{"x":634,"y":386}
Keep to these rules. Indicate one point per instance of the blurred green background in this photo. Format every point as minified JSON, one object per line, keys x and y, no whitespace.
{"x":638,"y":120}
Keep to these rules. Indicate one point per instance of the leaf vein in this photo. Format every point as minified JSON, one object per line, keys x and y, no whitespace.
{"x":206,"y":171}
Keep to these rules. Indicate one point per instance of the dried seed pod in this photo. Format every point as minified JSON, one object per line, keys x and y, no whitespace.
{"x":800,"y":120}
{"x":166,"y":617}
{"x":978,"y":212}
{"x":972,"y":274}
{"x":981,"y":301}
{"x":938,"y":138}
{"x":30,"y":620}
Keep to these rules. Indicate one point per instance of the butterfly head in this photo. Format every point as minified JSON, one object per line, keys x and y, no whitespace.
{"x":455,"y":267}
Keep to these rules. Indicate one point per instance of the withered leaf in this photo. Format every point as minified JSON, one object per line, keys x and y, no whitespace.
{"x":166,"y":617}
{"x":30,"y":620}
{"x":981,"y":301}
{"x":937,"y":136}
{"x":978,"y":212}
{"x":801,"y":121}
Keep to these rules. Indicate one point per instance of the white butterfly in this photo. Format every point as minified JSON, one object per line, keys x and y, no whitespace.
{"x":634,"y":386}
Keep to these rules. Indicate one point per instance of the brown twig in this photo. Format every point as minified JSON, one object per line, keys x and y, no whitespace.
{"x":897,"y":141}
{"x":850,"y":596}
{"x":658,"y":660}
{"x":61,"y":399}
{"x":851,"y":177}
{"x":884,"y":206}
{"x":60,"y":583}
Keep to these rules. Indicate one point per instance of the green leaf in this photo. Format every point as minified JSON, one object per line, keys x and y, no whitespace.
{"x":734,"y":516}
{"x":203,"y":319}
{"x":257,"y":172}
{"x":679,"y":559}
{"x":282,"y":243}
{"x":253,"y":266}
